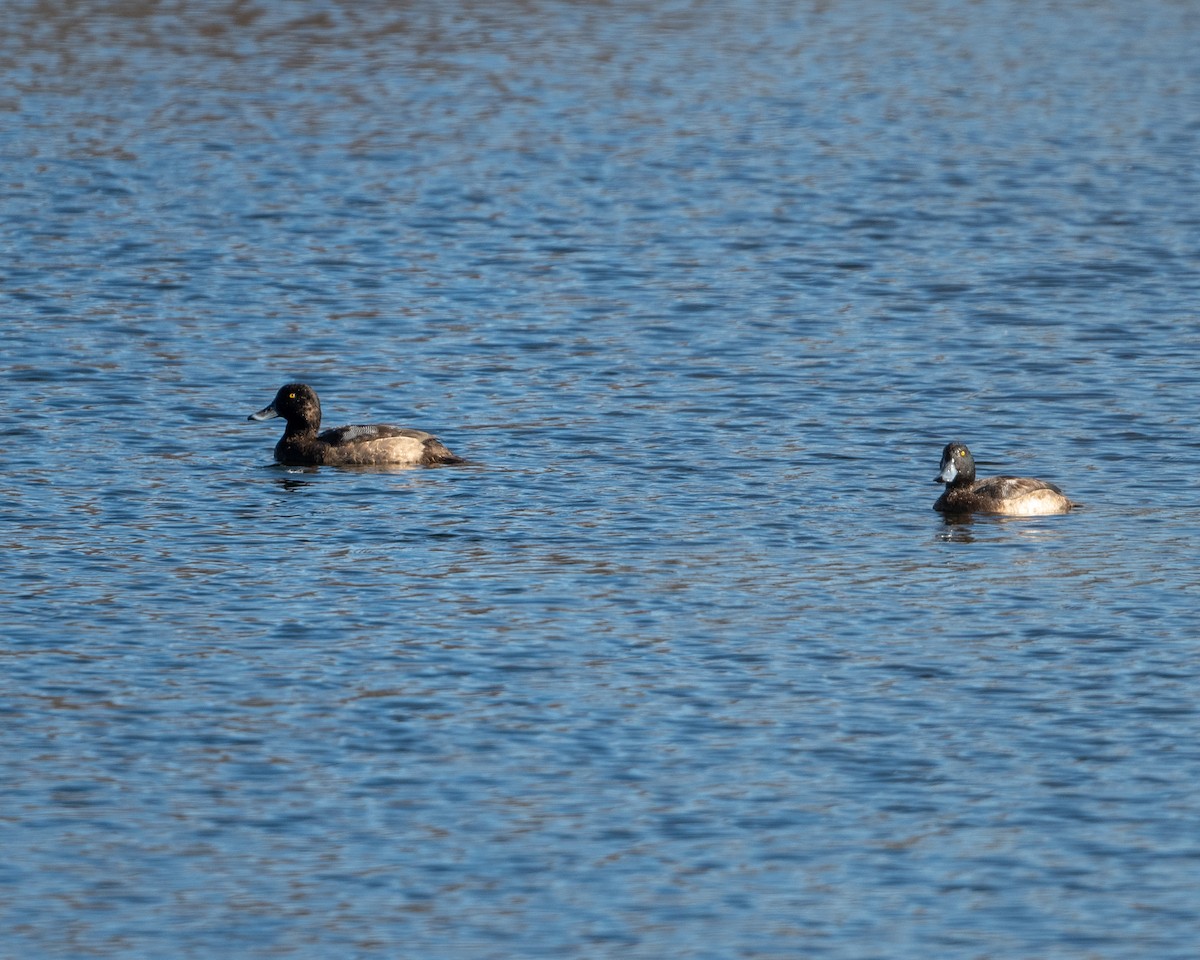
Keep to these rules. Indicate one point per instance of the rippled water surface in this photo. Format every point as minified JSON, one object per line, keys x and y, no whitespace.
{"x":682,"y":664}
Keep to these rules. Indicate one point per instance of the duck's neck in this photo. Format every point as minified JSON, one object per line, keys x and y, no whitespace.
{"x":301,"y":429}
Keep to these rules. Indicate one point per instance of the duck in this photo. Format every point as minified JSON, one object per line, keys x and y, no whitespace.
{"x":376,"y":444}
{"x":1010,"y":496}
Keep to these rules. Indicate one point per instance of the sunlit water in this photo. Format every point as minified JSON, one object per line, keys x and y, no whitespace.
{"x":682,"y":664}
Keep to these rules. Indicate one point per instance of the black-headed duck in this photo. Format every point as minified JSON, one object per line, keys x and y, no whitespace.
{"x":302,"y":446}
{"x":1011,"y":496}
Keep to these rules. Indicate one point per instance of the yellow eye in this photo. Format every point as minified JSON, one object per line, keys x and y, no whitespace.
{"x":962,"y":452}
{"x":292,"y":396}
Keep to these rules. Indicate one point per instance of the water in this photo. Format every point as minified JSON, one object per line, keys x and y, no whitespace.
{"x":682,"y":665}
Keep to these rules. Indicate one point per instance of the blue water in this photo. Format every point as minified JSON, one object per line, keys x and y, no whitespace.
{"x":682,"y":664}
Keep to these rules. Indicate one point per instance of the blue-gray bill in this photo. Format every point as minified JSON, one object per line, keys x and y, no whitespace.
{"x":266,"y":413}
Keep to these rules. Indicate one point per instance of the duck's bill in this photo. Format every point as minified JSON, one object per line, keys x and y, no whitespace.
{"x":949,"y":472}
{"x":266,"y":413}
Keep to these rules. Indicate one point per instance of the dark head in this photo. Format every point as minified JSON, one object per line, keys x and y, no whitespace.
{"x":958,"y":466}
{"x":297,"y":404}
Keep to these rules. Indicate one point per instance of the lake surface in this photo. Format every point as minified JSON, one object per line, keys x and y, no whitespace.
{"x":682,"y":664}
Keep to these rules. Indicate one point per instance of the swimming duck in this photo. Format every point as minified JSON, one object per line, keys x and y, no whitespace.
{"x":1012,"y":496}
{"x":302,"y":446}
